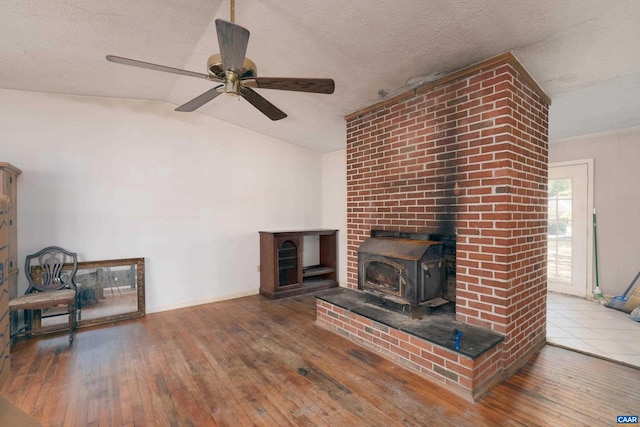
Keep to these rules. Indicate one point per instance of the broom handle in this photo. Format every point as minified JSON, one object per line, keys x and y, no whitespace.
{"x":631,"y":285}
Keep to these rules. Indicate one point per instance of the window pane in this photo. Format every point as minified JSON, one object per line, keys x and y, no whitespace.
{"x":560,"y":188}
{"x":564,"y":209}
{"x":559,"y":232}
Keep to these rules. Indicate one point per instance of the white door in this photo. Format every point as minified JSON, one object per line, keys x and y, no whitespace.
{"x":570,"y":233}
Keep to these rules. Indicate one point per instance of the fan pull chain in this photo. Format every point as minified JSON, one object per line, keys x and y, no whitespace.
{"x":233,"y":11}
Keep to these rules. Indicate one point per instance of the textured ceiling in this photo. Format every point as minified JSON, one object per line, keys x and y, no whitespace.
{"x":583,"y":53}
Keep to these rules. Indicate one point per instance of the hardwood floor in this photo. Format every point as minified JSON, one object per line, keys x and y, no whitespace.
{"x":253,"y":361}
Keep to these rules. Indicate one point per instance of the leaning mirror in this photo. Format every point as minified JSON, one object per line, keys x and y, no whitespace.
{"x":108,"y":291}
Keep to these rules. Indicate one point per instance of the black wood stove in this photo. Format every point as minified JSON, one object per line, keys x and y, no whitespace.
{"x":404,"y":272}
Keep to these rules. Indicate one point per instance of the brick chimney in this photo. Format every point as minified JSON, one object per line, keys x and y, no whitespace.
{"x":467,"y":155}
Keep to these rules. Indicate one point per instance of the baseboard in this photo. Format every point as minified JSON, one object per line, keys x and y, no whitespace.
{"x":204,"y":301}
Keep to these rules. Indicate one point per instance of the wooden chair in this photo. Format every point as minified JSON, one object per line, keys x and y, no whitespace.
{"x":49,"y":286}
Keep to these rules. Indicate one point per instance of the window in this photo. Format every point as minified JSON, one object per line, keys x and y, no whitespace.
{"x":559,"y":258}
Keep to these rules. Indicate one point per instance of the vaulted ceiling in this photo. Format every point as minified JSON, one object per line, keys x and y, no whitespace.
{"x":583,"y":53}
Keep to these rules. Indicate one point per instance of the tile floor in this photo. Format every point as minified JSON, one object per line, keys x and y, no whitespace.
{"x":592,"y":328}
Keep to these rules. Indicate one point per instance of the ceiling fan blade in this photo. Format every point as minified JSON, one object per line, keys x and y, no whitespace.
{"x":150,"y":66}
{"x":291,"y":83}
{"x":267,"y":108}
{"x":232,"y":41}
{"x":200,"y":100}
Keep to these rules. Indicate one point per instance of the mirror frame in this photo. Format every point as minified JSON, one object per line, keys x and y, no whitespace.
{"x":140,"y":287}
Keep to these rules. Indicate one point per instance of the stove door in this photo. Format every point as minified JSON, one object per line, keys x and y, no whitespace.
{"x":382,"y":275}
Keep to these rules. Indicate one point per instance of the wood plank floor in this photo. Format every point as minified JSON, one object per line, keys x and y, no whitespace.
{"x":253,"y":361}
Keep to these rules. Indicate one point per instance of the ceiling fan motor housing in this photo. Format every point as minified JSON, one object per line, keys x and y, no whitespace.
{"x":214,"y":67}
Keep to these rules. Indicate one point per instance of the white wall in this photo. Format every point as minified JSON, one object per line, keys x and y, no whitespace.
{"x":617,"y":200}
{"x":334,"y":203}
{"x":111,"y":178}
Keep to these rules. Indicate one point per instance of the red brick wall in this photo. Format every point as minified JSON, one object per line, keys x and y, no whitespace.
{"x":466,"y":155}
{"x":469,"y":378}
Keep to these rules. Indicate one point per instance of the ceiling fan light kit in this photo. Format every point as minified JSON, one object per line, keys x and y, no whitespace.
{"x":236,"y":73}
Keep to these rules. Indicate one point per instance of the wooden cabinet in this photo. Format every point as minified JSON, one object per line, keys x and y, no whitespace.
{"x":8,"y":260}
{"x":282,"y":269}
{"x":5,"y":331}
{"x":9,"y":188}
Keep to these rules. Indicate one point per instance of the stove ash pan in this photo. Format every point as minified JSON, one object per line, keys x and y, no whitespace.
{"x":406,"y":271}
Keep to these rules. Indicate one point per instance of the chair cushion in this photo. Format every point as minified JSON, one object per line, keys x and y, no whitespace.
{"x":63,"y":295}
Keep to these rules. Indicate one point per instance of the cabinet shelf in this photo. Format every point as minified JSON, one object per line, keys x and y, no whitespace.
{"x":281,"y":256}
{"x":317,"y":271}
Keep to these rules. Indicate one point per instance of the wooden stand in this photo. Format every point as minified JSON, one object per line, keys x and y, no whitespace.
{"x":282,"y":273}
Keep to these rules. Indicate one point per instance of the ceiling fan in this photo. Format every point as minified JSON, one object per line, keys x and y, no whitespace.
{"x":236,"y":73}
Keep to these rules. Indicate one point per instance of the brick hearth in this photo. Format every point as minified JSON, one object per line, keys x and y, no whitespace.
{"x":467,"y":155}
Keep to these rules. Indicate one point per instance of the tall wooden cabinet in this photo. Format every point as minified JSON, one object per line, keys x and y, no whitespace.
{"x":9,"y":188}
{"x":282,"y":271}
{"x":5,"y":328}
